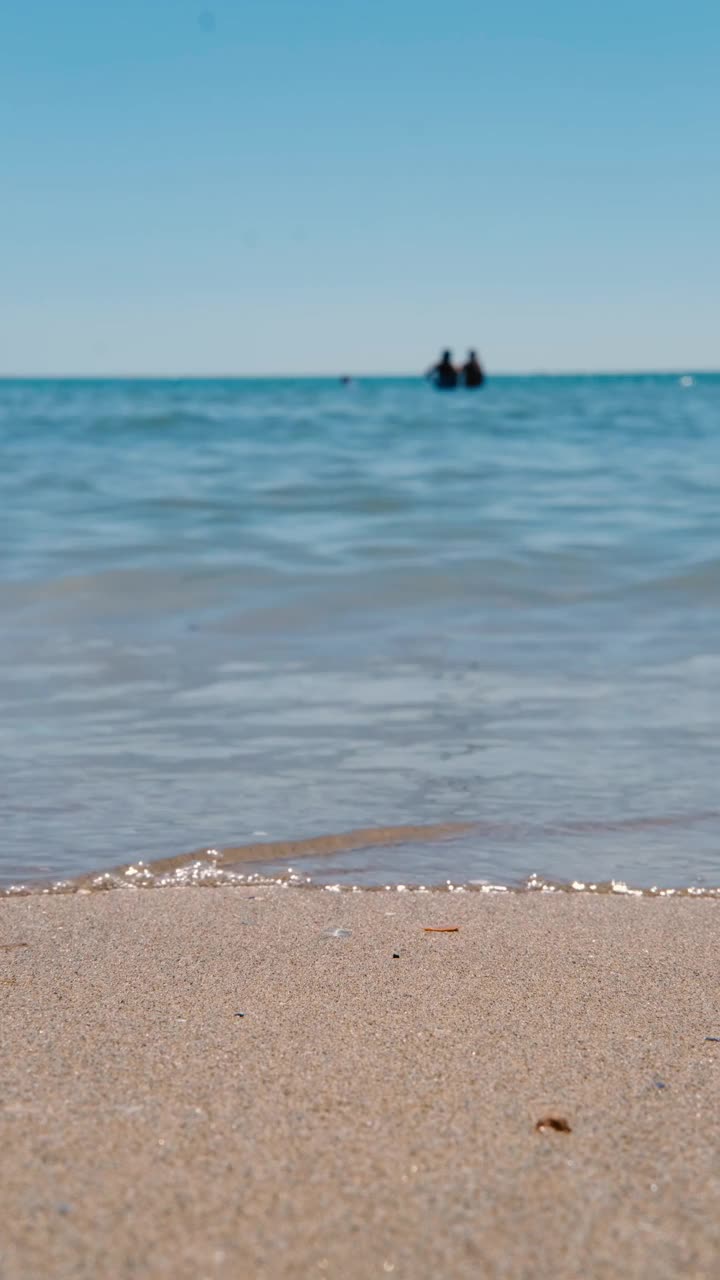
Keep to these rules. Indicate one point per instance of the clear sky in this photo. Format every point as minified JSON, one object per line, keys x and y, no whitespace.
{"x":258,"y":186}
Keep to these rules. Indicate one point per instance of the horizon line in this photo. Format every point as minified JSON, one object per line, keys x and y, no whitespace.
{"x":677,"y":371}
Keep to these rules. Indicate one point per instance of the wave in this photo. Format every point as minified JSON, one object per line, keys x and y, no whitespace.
{"x":216,"y":867}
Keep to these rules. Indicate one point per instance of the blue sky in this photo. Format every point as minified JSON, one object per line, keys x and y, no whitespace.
{"x":304,"y":186}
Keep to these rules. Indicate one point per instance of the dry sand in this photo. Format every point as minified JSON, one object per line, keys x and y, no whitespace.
{"x":367,"y":1115}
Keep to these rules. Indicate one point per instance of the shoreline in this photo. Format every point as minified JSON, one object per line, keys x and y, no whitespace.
{"x":222,"y":1084}
{"x":212,"y":867}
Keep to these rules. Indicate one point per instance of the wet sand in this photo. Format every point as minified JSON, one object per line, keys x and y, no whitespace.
{"x":367,"y":1115}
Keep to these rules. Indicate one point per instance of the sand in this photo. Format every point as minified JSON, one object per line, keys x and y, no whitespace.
{"x":366,"y":1115}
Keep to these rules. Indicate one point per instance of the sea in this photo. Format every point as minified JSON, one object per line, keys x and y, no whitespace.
{"x":237,"y":612}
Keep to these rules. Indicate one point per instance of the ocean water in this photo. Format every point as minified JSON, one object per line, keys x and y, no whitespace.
{"x":242,"y":611}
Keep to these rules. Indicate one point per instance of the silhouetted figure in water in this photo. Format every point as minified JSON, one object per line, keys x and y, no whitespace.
{"x":444,"y":375}
{"x":472,"y":372}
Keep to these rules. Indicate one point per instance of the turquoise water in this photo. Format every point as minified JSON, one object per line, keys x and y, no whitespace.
{"x":292,"y":607}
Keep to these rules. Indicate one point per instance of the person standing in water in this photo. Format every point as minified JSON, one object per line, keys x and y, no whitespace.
{"x":472,"y":372}
{"x":444,"y":374}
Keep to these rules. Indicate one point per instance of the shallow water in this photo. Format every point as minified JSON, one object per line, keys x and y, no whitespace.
{"x":289,"y":608}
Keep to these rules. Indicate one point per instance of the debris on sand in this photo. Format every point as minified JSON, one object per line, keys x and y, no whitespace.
{"x":554,"y":1123}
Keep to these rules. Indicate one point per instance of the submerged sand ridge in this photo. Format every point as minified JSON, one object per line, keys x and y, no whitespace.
{"x":374,"y":1110}
{"x":231,"y":856}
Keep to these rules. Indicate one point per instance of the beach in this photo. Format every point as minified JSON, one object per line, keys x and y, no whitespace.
{"x":214,"y":1082}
